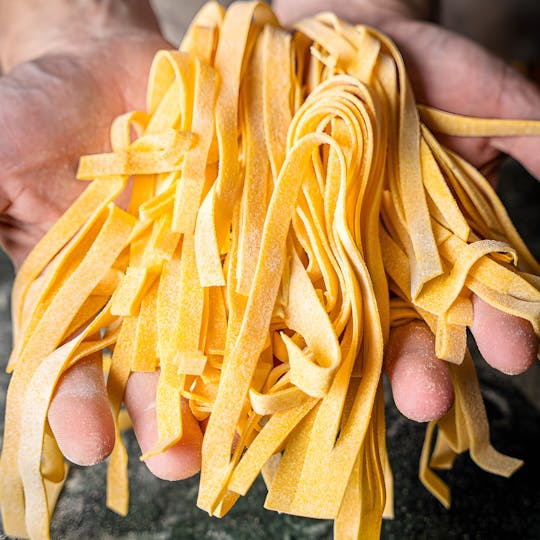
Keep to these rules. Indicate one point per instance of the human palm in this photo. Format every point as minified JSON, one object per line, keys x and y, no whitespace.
{"x":55,"y":108}
{"x":454,"y":74}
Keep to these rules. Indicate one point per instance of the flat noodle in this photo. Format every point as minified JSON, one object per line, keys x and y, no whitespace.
{"x":466,"y":126}
{"x":117,"y":477}
{"x":289,"y":205}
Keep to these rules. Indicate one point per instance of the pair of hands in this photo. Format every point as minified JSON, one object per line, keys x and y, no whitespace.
{"x":89,"y":63}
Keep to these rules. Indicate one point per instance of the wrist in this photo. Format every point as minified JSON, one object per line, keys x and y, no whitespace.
{"x":35,"y":27}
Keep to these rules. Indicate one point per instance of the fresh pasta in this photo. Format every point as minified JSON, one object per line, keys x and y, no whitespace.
{"x":290,"y":203}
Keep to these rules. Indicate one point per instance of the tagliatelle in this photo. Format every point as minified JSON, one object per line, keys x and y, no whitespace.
{"x":289,"y":204}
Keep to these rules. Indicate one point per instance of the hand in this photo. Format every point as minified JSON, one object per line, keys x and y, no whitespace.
{"x":64,"y":86}
{"x":454,"y":74}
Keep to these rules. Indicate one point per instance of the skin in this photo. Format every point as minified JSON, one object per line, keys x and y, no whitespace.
{"x":443,"y":79}
{"x":89,"y":63}
{"x":69,"y":86}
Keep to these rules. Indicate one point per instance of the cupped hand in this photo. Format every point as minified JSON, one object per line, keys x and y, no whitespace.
{"x":58,"y":105}
{"x":61,"y":90}
{"x":454,"y":74}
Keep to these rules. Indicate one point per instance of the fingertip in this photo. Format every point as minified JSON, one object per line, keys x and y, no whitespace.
{"x":79,"y":414}
{"x":183,"y":459}
{"x":506,"y":342}
{"x":86,"y":435}
{"x":421,"y":383}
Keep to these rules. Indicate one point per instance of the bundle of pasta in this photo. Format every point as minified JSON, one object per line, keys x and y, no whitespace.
{"x":277,"y":179}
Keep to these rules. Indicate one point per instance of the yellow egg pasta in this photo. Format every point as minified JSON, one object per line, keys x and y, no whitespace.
{"x":289,"y":205}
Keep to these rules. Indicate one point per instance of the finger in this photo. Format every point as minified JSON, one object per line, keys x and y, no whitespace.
{"x":421,"y":383}
{"x":520,"y":99}
{"x":181,"y":460}
{"x":80,"y":416}
{"x":506,"y":342}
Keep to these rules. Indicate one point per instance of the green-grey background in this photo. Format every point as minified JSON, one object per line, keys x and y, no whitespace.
{"x":484,"y":506}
